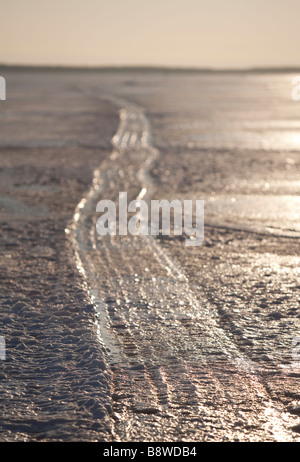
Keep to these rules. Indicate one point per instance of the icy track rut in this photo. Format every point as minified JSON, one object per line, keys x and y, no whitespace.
{"x":176,"y":374}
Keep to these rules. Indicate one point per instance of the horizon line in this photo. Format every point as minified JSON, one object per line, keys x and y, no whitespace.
{"x":155,"y":68}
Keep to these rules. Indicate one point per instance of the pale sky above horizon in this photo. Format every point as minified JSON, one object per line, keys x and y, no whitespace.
{"x":198,"y":33}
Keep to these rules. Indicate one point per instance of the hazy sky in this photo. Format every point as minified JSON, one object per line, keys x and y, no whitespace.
{"x":215,"y":33}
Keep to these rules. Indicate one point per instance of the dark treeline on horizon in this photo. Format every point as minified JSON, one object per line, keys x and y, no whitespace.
{"x":21,"y":67}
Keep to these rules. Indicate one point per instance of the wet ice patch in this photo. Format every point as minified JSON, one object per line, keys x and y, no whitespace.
{"x":275,"y":214}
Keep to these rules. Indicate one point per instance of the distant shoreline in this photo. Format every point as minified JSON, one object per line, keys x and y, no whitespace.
{"x":146,"y":69}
